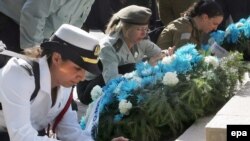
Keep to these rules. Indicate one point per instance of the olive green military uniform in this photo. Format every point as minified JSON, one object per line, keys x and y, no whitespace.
{"x":171,"y":9}
{"x":178,"y":33}
{"x":115,"y":52}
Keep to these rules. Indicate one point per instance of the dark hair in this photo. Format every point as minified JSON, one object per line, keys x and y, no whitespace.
{"x":209,"y":7}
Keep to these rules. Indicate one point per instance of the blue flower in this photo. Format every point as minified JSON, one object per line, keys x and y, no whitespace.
{"x":232,"y":33}
{"x":186,"y":57}
{"x":147,"y":81}
{"x":121,"y":88}
{"x":129,"y":86}
{"x":108,"y":91}
{"x":140,"y":98}
{"x":246,"y":29}
{"x":83,"y":123}
{"x":218,"y":36}
{"x":205,"y":47}
{"x":143,"y":69}
{"x":118,"y":117}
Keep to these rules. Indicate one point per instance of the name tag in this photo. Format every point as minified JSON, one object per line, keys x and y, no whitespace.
{"x":185,"y":36}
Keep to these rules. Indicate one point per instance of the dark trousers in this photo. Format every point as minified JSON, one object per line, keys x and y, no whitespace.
{"x":4,"y":136}
{"x":84,"y":88}
{"x":10,"y":33}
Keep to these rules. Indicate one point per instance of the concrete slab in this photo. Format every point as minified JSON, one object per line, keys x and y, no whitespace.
{"x":213,"y":128}
{"x":236,"y":111}
{"x":216,"y":129}
{"x":196,"y":132}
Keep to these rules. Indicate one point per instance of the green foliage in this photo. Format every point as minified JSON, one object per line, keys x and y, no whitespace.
{"x":169,"y":110}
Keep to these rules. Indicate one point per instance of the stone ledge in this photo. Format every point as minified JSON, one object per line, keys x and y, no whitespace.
{"x":196,"y":132}
{"x":235,"y":111}
{"x":213,"y":127}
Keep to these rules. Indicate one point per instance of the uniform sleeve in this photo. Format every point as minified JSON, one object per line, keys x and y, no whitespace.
{"x":151,"y":49}
{"x":16,"y":89}
{"x":110,"y":63}
{"x":175,"y":35}
{"x":165,"y":39}
{"x":33,"y":19}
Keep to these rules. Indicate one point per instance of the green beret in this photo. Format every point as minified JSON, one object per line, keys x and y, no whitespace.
{"x":134,"y":14}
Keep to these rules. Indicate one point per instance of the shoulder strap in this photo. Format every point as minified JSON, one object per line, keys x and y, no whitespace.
{"x":61,"y":114}
{"x":118,"y":44}
{"x":36,"y":73}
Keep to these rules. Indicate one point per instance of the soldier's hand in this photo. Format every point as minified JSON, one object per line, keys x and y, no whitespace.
{"x":169,"y":51}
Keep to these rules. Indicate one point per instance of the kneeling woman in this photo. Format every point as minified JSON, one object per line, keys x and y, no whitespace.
{"x":126,"y":44}
{"x":62,"y":64}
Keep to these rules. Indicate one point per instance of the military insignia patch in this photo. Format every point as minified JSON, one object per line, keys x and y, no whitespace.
{"x":185,"y":36}
{"x":118,"y":44}
{"x":97,"y":50}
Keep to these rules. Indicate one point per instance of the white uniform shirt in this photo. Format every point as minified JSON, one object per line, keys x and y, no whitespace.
{"x":38,"y":19}
{"x":23,"y":117}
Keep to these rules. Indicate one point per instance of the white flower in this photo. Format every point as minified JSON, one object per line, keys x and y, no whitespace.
{"x":138,"y":80}
{"x":208,"y":74}
{"x":96,"y":92}
{"x":133,"y":76}
{"x":239,"y":24}
{"x":233,"y":70}
{"x":188,"y":77}
{"x":147,"y":72}
{"x":168,"y":59}
{"x":189,"y":57}
{"x":130,"y":75}
{"x":125,"y":106}
{"x":212,"y":60}
{"x":170,"y":79}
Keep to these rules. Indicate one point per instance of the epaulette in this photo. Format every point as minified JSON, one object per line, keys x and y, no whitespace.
{"x":118,"y":44}
{"x":28,"y":68}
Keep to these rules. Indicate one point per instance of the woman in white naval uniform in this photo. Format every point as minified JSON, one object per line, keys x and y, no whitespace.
{"x":63,"y":62}
{"x":125,"y":44}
